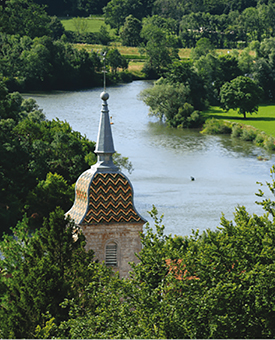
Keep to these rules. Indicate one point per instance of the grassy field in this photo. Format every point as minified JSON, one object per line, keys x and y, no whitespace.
{"x":264,"y":120}
{"x":124,"y":50}
{"x":136,"y":61}
{"x":184,"y":53}
{"x":93,"y":23}
{"x":134,"y":66}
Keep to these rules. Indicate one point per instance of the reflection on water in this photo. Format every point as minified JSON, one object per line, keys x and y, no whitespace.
{"x":225,"y":169}
{"x":177,"y":139}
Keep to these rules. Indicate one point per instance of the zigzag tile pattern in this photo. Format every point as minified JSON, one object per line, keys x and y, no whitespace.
{"x":80,"y":206}
{"x":110,"y":200}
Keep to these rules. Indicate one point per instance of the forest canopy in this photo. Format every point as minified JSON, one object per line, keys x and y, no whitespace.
{"x":218,"y":284}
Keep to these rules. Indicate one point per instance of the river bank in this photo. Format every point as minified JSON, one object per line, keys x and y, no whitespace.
{"x":164,"y":159}
{"x":263,"y":120}
{"x":259,"y":129}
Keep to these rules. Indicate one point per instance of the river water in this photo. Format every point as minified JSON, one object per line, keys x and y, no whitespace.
{"x":225,"y":170}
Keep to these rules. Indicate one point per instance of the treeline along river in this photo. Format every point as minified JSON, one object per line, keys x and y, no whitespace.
{"x":225,"y":170}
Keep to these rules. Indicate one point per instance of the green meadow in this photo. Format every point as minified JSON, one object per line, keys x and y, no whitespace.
{"x":93,"y":23}
{"x":264,"y":120}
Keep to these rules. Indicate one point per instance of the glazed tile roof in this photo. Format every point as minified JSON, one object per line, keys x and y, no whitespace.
{"x":104,"y":198}
{"x":78,"y":210}
{"x":111,"y":200}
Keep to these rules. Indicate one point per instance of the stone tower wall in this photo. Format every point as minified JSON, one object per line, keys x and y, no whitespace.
{"x":126,"y":236}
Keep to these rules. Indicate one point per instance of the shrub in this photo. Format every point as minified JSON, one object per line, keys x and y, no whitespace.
{"x":125,"y":76}
{"x":216,"y":127}
{"x":260,"y":138}
{"x":149,"y":71}
{"x":186,"y":118}
{"x":87,"y":38}
{"x":195,"y":120}
{"x":248,"y":134}
{"x":236,"y":130}
{"x":269,"y":143}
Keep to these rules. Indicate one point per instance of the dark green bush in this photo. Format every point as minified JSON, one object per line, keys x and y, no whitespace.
{"x":149,"y":71}
{"x":196,"y":119}
{"x":87,"y":38}
{"x":125,"y":77}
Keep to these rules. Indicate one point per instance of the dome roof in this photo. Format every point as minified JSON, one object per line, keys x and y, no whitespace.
{"x":104,"y":198}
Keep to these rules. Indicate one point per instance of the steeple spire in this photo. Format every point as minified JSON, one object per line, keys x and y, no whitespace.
{"x":104,"y":207}
{"x":104,"y":145}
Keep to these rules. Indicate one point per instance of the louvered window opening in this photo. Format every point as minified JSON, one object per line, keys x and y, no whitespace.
{"x":111,"y":254}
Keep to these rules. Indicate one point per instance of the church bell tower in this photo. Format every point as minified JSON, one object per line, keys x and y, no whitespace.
{"x":104,"y":208}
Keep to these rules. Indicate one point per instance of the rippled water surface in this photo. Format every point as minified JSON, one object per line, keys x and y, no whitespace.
{"x":225,"y":170}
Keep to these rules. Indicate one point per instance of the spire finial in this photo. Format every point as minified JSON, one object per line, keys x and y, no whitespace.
{"x":104,"y":70}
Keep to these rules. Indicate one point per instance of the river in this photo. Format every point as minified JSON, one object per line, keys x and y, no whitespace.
{"x":225,"y":170}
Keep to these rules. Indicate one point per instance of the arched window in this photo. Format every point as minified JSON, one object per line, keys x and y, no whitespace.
{"x":111,"y":254}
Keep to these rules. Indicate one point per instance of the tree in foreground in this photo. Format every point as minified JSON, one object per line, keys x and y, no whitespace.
{"x":241,"y":94}
{"x":219,"y":284}
{"x":38,"y":272}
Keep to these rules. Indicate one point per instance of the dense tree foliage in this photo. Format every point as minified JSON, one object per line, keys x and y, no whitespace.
{"x":239,"y":81}
{"x":44,"y":64}
{"x":130,"y":31}
{"x":117,"y":11}
{"x":34,"y":57}
{"x":160,"y":45}
{"x":215,"y":70}
{"x":38,"y":272}
{"x":225,"y":25}
{"x":115,"y":60}
{"x":177,"y":97}
{"x":218,"y":284}
{"x":31,"y":148}
{"x":30,"y":61}
{"x":24,"y":18}
{"x":183,"y":72}
{"x":215,"y":285}
{"x":73,"y":8}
